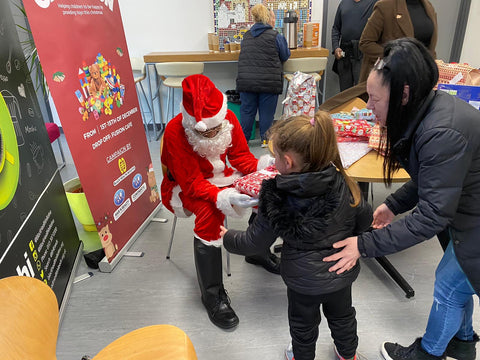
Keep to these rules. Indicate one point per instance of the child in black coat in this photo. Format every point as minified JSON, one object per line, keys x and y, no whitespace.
{"x":310,"y":205}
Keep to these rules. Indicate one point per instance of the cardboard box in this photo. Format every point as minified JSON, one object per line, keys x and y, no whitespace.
{"x":311,"y":33}
{"x":470,"y":94}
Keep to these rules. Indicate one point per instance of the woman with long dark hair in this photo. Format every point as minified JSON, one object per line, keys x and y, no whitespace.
{"x":436,"y":138}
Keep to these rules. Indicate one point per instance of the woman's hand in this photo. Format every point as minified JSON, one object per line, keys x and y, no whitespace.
{"x":223,"y":230}
{"x":382,"y":217}
{"x":347,"y":258}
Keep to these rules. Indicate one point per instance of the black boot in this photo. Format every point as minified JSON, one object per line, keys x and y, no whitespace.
{"x":269,"y":261}
{"x":208,"y":262}
{"x":462,"y":349}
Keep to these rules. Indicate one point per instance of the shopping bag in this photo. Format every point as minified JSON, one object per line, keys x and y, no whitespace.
{"x":301,"y":94}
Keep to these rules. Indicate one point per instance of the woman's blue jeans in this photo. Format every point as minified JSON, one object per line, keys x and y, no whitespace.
{"x":452,"y":309}
{"x":265,"y":103}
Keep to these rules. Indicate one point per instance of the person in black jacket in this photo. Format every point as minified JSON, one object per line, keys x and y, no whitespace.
{"x":436,"y":138}
{"x":260,"y":71}
{"x":311,"y":205}
{"x":350,"y":19}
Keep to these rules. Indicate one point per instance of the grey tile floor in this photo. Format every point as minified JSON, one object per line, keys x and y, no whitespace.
{"x":148,"y":290}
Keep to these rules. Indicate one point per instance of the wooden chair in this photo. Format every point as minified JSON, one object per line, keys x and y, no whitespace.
{"x":157,"y":342}
{"x":29,"y":329}
{"x":29,"y":319}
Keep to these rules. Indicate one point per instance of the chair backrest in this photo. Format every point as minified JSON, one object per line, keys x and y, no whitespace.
{"x":160,"y":342}
{"x":179,"y":69}
{"x":29,"y":319}
{"x":306,"y":65}
{"x":137,"y":64}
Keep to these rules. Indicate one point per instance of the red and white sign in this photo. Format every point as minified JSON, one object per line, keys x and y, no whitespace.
{"x":84,"y":56}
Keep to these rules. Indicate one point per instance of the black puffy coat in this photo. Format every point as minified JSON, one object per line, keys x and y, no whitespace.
{"x":309,"y":211}
{"x":440,"y":150}
{"x":260,"y":69}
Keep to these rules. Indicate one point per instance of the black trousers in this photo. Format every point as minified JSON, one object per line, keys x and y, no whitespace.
{"x":304,"y":318}
{"x":348,"y":72}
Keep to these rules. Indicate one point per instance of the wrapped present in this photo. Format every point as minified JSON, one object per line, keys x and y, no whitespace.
{"x":377,"y":140}
{"x":348,"y":128}
{"x":460,"y":74}
{"x":250,"y":184}
{"x":364,"y":114}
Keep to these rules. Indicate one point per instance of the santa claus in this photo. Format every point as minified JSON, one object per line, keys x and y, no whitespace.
{"x":196,"y":146}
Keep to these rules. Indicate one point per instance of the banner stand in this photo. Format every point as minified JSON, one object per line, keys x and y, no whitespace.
{"x":105,"y":266}
{"x":68,"y":288}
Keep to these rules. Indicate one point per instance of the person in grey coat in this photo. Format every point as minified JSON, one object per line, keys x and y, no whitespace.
{"x":436,"y":138}
{"x":312,"y":204}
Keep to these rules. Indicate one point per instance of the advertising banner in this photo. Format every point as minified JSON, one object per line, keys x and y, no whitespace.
{"x":84,"y":56}
{"x":38,"y":237}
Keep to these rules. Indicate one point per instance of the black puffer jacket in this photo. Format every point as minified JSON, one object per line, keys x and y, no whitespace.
{"x":309,"y":211}
{"x":260,"y":69}
{"x":441,"y":152}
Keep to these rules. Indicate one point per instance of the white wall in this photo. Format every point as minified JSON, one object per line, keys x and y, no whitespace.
{"x":173,"y":25}
{"x":181,"y":25}
{"x":470,"y":53}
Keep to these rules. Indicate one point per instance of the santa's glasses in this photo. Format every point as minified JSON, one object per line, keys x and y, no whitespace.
{"x":210,"y":133}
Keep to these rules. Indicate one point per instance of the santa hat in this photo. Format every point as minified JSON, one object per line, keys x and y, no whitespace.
{"x":204,"y":106}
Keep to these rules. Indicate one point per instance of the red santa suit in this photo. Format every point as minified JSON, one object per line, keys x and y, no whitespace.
{"x":198,"y":178}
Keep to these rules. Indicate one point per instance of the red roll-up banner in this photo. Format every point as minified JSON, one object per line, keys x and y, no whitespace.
{"x":84,"y":56}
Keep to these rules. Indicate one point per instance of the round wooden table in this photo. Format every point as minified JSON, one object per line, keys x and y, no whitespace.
{"x":369,"y":169}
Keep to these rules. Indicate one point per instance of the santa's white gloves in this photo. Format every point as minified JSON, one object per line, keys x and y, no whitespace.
{"x":265,"y":161}
{"x":232,"y":203}
{"x":243,"y":200}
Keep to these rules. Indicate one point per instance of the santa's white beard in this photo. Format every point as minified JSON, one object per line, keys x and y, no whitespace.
{"x":211,"y":147}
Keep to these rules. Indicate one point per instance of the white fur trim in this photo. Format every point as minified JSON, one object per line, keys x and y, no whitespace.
{"x":216,"y":243}
{"x":264,"y":161}
{"x":190,"y":122}
{"x":222,"y":181}
{"x":177,"y":204}
{"x":224,"y":205}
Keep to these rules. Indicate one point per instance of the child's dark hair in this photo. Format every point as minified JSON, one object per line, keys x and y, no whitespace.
{"x":315,"y":141}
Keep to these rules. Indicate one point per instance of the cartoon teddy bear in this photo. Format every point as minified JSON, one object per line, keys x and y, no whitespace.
{"x":152,"y":183}
{"x":97,"y":84}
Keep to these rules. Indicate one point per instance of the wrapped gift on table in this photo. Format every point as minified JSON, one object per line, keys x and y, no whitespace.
{"x":350,"y":128}
{"x":250,"y":184}
{"x":377,"y":139}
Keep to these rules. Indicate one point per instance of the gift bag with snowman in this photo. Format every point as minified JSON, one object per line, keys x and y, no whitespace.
{"x":300,"y":98}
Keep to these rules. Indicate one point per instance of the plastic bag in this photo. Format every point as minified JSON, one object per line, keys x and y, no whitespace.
{"x":301,"y":94}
